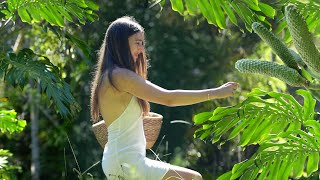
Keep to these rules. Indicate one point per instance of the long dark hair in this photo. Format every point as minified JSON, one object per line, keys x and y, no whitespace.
{"x":115,"y":52}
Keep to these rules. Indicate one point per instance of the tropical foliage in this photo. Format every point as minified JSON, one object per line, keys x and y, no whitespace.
{"x":55,"y":12}
{"x":221,"y":13}
{"x":23,"y":66}
{"x":49,"y":31}
{"x":218,"y":12}
{"x":302,"y":68}
{"x":9,"y":124}
{"x":287,"y":133}
{"x":18,"y":67}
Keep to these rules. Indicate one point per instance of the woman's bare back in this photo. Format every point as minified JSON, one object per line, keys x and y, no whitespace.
{"x":112,"y":102}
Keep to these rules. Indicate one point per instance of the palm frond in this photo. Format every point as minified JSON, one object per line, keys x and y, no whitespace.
{"x":290,"y":154}
{"x":18,"y":68}
{"x":219,"y":12}
{"x":261,"y":114}
{"x":54,"y":11}
{"x":286,"y":131}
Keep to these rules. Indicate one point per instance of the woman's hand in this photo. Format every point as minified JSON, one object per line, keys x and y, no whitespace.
{"x":226,"y":90}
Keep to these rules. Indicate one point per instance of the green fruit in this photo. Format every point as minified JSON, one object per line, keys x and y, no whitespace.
{"x":282,"y":72}
{"x":277,"y":46}
{"x":302,"y":38}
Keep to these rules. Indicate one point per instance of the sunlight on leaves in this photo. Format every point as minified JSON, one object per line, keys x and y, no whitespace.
{"x":9,"y":123}
{"x":18,"y":68}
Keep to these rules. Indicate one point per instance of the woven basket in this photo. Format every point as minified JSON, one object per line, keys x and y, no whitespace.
{"x":151,"y":125}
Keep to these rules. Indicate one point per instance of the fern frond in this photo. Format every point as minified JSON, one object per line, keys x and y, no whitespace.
{"x":17,"y":69}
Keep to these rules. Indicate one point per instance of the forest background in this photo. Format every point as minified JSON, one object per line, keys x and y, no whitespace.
{"x":185,"y":52}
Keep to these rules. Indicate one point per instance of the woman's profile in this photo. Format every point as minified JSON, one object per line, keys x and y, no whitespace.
{"x":121,"y":94}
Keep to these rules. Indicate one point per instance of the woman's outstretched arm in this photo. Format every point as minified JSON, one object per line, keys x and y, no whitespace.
{"x":128,"y":81}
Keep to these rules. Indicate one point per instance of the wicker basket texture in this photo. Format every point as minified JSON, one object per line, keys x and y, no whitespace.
{"x":151,"y":125}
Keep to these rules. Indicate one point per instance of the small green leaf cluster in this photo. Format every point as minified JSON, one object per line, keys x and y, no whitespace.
{"x":287,"y":133}
{"x":7,"y":171}
{"x":9,"y":123}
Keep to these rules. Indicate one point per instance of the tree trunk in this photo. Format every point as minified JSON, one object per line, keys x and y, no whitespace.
{"x":239,"y":150}
{"x":34,"y":116}
{"x":35,"y":150}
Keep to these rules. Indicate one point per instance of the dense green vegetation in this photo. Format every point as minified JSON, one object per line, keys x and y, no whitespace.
{"x":47,"y":56}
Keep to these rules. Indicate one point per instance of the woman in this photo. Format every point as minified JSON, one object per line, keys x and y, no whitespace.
{"x":120,"y":94}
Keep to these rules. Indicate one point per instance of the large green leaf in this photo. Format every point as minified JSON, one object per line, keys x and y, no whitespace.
{"x":231,"y":14}
{"x":284,"y":129}
{"x":309,"y":104}
{"x":261,"y":114}
{"x":55,"y":11}
{"x":247,"y":12}
{"x":177,"y":5}
{"x":18,"y":68}
{"x":191,"y":6}
{"x":267,"y":9}
{"x":24,"y":14}
{"x":216,"y":11}
{"x":288,"y":155}
{"x":313,"y":127}
{"x":202,"y":117}
{"x":205,"y":9}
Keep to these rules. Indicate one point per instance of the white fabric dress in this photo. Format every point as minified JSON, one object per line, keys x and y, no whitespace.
{"x":124,"y":155}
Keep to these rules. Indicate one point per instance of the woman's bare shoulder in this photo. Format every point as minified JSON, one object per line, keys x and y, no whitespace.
{"x":123,"y":72}
{"x":121,"y":78}
{"x":124,"y":76}
{"x":116,"y":75}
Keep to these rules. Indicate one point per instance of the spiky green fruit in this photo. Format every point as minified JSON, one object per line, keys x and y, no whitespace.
{"x":277,"y":46}
{"x":282,"y":72}
{"x":302,"y":38}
